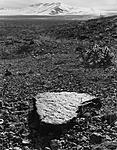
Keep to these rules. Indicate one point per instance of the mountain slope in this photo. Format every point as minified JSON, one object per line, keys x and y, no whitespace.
{"x":54,"y":9}
{"x":49,"y":9}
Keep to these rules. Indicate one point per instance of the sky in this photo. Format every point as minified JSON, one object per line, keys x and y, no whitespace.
{"x":100,"y":4}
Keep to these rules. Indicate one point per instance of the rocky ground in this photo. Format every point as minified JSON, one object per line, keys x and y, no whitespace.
{"x":23,"y":78}
{"x":89,"y":132}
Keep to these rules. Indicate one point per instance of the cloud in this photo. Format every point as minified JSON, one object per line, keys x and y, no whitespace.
{"x":12,"y":3}
{"x":95,"y":3}
{"x":22,"y":3}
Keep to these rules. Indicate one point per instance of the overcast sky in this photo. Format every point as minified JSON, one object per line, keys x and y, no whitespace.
{"x":102,"y":4}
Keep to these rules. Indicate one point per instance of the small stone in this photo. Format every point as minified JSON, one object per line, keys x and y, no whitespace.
{"x":108,"y":127}
{"x":17,"y":148}
{"x":7,"y":73}
{"x":26,"y":148}
{"x":47,"y":148}
{"x":10,"y":148}
{"x":55,"y":144}
{"x":25,"y":142}
{"x":108,"y":138}
{"x":92,"y":128}
{"x":67,"y":135}
{"x":30,"y":72}
{"x":96,"y":138}
{"x":110,"y":118}
{"x":1,"y":104}
{"x":26,"y":134}
{"x":84,"y":138}
{"x":79,"y":147}
{"x":1,"y":121}
{"x":86,"y":148}
{"x":116,"y":124}
{"x":1,"y":128}
{"x":87,"y":115}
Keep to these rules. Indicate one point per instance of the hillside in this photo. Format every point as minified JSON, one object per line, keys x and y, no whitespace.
{"x":102,"y":31}
{"x":95,"y":29}
{"x":56,"y":35}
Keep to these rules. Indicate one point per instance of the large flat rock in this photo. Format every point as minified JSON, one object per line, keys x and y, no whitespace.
{"x":59,"y":107}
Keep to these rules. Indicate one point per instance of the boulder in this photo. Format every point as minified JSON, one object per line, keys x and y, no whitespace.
{"x":59,"y":107}
{"x":53,"y":113}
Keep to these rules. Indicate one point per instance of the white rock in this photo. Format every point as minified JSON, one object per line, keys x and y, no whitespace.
{"x":47,"y":148}
{"x":108,"y":138}
{"x":1,"y":121}
{"x":116,"y":124}
{"x":17,"y":148}
{"x":59,"y":107}
{"x":25,"y":141}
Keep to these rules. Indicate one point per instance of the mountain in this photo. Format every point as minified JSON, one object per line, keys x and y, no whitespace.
{"x":51,"y":9}
{"x":48,"y":9}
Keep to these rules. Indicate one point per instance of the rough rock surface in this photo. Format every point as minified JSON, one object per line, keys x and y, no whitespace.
{"x":59,"y":107}
{"x":96,"y":138}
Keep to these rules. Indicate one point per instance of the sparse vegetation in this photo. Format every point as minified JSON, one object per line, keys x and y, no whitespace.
{"x":96,"y":56}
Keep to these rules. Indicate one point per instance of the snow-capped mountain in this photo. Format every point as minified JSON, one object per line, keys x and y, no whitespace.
{"x":51,"y":9}
{"x":48,"y":9}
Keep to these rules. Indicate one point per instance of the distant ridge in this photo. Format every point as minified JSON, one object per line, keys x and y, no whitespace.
{"x":53,"y":9}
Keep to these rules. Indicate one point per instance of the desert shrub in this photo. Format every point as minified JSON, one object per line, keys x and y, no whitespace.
{"x":96,"y":56}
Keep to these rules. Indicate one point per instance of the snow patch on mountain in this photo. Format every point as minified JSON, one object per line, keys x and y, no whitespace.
{"x":51,"y":9}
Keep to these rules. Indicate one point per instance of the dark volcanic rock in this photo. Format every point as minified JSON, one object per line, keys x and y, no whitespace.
{"x":1,"y":104}
{"x":7,"y":73}
{"x":55,"y":145}
{"x":33,"y":117}
{"x":96,"y":138}
{"x":110,"y":118}
{"x":111,"y":145}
